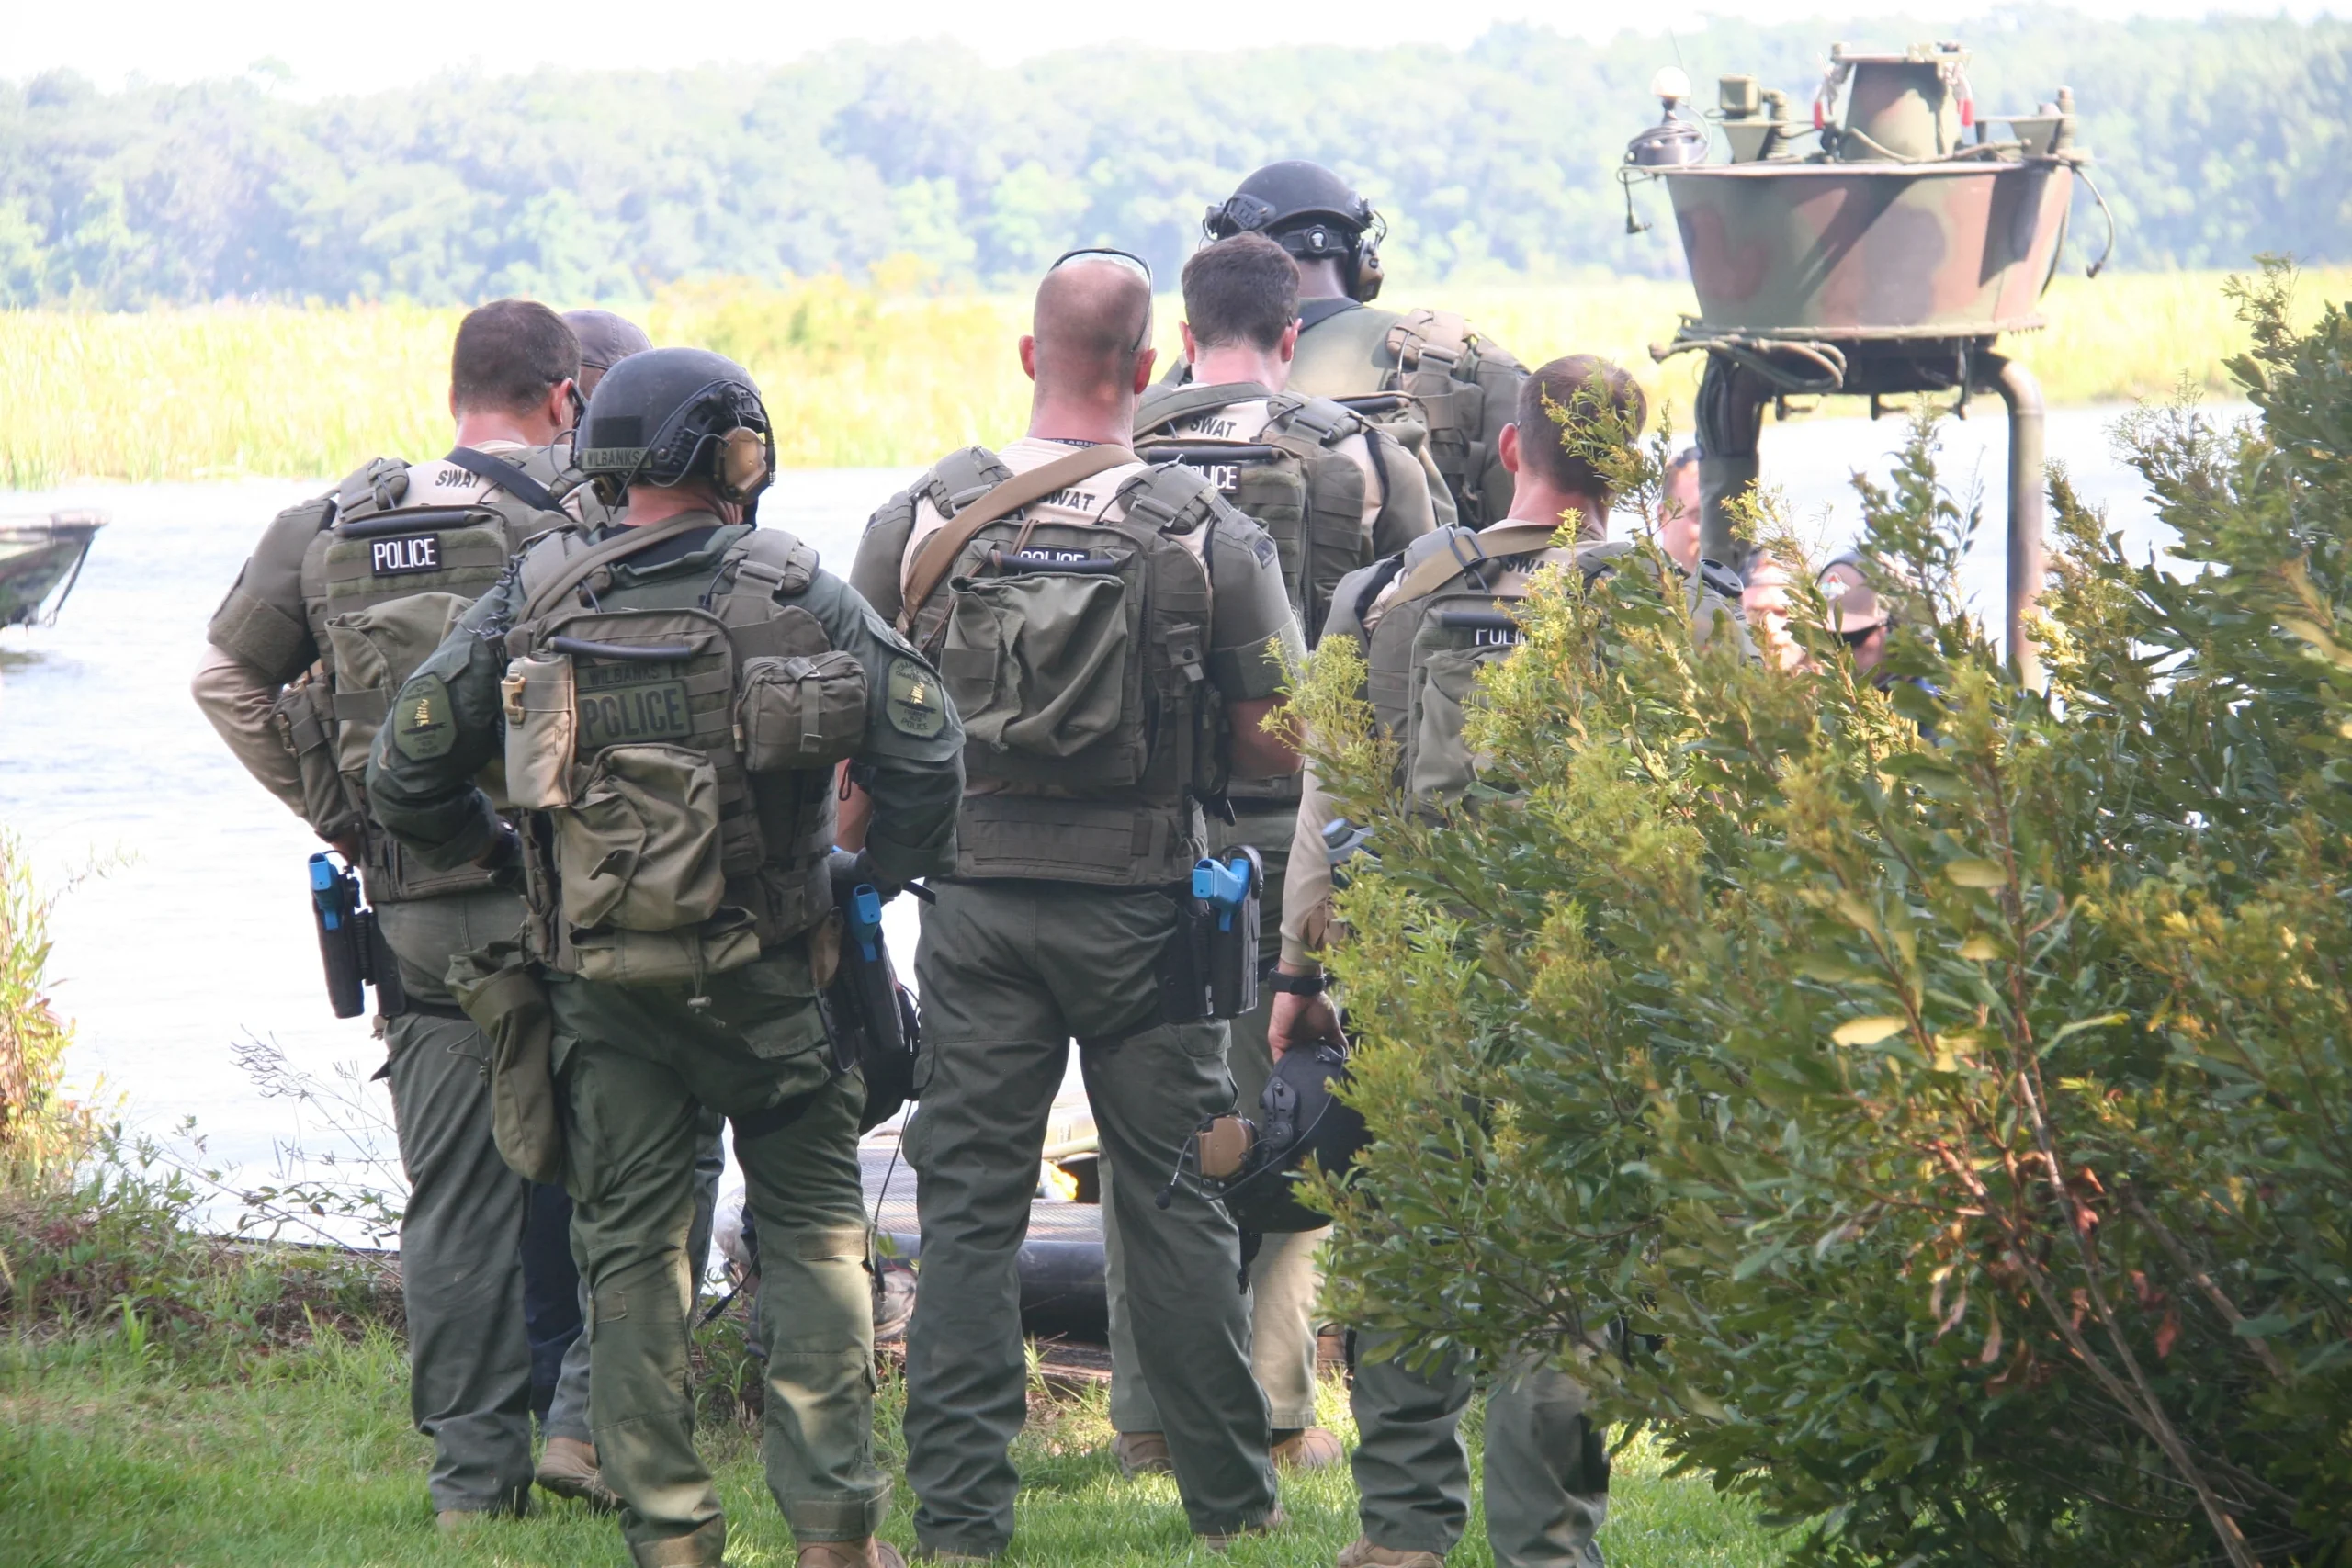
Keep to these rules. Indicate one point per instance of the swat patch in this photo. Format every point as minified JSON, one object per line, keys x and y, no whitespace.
{"x":421,"y":726}
{"x":915,"y":707}
{"x":410,"y":553}
{"x":1263,"y":549}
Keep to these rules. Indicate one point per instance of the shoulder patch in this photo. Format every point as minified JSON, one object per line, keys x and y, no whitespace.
{"x":422,"y":725}
{"x":1263,"y":548}
{"x":916,"y":706}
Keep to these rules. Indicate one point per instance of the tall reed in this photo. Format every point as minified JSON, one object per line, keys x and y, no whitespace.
{"x":854,"y":375}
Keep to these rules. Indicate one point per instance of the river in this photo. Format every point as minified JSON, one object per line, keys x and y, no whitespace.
{"x":182,"y":932}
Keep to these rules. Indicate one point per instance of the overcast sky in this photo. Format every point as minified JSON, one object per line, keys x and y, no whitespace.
{"x":332,"y":48}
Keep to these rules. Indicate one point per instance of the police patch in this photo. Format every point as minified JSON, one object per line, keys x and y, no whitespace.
{"x":915,"y":707}
{"x":421,"y":726}
{"x":410,"y":553}
{"x":1263,"y":549}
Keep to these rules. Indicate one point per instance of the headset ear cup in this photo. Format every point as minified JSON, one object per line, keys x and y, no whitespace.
{"x":742,"y":467}
{"x":1368,"y":273}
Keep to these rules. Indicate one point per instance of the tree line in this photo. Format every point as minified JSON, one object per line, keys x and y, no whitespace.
{"x":2216,"y":140}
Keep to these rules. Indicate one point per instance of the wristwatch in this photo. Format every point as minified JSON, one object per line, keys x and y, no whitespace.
{"x":1299,"y":985}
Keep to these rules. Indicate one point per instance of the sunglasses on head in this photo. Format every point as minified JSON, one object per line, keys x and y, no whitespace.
{"x":1127,"y":259}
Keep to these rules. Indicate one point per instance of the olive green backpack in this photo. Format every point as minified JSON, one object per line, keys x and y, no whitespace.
{"x":1077,"y":656}
{"x":673,"y":741}
{"x":1290,"y":480}
{"x":384,"y":583}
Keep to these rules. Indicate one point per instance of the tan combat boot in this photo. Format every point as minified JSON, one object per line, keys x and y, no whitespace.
{"x":1308,"y":1448}
{"x":871,"y":1552}
{"x":1142,"y":1453}
{"x":1361,"y":1553}
{"x":568,"y":1468}
{"x":1221,"y":1540}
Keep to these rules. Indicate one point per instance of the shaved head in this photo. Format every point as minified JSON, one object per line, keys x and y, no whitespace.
{"x":1093,"y":320}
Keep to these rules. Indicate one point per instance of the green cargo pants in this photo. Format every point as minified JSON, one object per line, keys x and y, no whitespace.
{"x":1548,"y":1470}
{"x":461,"y":1234}
{"x":1010,"y":973}
{"x":567,"y":1414}
{"x":638,"y":1066}
{"x":1283,"y":1280}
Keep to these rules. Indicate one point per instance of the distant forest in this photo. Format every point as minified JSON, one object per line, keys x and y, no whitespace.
{"x":2215,"y":140}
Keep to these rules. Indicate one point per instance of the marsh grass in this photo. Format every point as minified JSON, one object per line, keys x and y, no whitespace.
{"x":111,"y":1457}
{"x":854,"y":375}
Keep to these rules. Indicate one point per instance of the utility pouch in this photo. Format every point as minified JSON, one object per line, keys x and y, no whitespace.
{"x":541,"y":699}
{"x":1438,"y":762}
{"x":304,"y":717}
{"x":638,"y":848}
{"x":503,"y":992}
{"x":729,"y":939}
{"x":799,"y":712}
{"x":1036,"y":662}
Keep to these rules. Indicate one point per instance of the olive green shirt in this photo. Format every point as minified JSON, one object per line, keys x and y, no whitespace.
{"x":910,"y":761}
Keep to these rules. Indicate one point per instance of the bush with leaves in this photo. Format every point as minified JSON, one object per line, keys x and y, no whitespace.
{"x":1943,"y":1082}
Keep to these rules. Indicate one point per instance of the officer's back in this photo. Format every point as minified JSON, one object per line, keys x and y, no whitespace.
{"x":1105,"y":628}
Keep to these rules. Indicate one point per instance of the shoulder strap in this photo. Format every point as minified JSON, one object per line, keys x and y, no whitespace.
{"x":623,"y":544}
{"x":506,"y":476}
{"x":1169,"y":498}
{"x":939,"y":552}
{"x":1436,"y":337}
{"x":1503,"y":539}
{"x":1321,"y":418}
{"x":779,"y":561}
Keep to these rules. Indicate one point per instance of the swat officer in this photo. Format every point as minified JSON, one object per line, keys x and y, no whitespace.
{"x":554,"y":1301}
{"x":673,"y":694}
{"x":1334,"y":492}
{"x":1108,"y":630}
{"x":293,"y":678}
{"x":1547,"y":1473}
{"x":1431,"y":367}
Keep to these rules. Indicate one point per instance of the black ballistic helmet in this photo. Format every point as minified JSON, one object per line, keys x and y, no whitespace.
{"x":1299,"y":1119}
{"x":668,"y":415}
{"x":1310,"y":212}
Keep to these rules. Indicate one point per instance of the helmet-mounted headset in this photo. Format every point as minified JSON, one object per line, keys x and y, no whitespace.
{"x":718,"y":431}
{"x":1310,"y":212}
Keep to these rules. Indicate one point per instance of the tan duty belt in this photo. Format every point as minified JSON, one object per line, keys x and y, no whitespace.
{"x":939,"y":552}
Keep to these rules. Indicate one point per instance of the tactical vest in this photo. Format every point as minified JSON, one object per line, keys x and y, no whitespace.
{"x":1448,"y":617}
{"x":1077,"y":656}
{"x":383,"y":584}
{"x":1290,"y":479}
{"x":1430,"y":368}
{"x":672,"y":743}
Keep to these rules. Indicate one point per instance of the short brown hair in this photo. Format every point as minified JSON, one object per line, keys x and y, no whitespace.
{"x":1564,"y":408}
{"x":509,"y":354}
{"x":1243,"y":286}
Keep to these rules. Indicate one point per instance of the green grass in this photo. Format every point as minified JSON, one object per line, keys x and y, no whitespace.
{"x":113,"y":1456}
{"x":854,"y":375}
